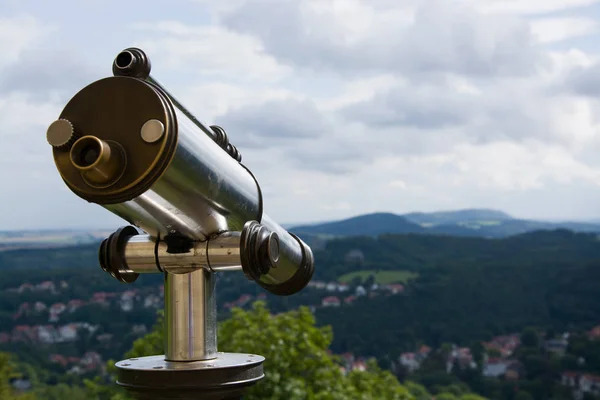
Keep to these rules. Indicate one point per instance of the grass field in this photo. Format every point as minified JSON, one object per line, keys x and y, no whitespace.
{"x":381,"y":277}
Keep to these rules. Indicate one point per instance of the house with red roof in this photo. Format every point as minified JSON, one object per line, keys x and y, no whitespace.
{"x":594,"y":333}
{"x":394,"y":288}
{"x":25,"y":286}
{"x":46,"y":286}
{"x":74,"y":304}
{"x":331,"y":301}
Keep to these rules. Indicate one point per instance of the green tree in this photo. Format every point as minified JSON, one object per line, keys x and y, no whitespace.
{"x":61,"y":392}
{"x":471,"y":396}
{"x":297,"y":365}
{"x":8,"y":372}
{"x":417,"y":391}
{"x":446,"y":396}
{"x":530,"y":338}
{"x":521,"y":395}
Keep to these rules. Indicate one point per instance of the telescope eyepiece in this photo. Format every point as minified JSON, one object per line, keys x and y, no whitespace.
{"x":100,"y":162}
{"x":132,"y":62}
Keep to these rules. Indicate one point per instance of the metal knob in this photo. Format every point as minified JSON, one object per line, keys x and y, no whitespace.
{"x":61,"y":134}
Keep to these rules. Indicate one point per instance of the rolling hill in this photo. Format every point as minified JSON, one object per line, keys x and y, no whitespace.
{"x":468,"y":222}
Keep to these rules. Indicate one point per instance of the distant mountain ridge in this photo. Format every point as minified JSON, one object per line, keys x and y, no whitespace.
{"x":467,"y":222}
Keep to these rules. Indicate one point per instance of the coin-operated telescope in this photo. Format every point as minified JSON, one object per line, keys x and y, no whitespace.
{"x":127,"y":144}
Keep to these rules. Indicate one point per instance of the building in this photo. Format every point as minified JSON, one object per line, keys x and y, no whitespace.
{"x":4,"y":337}
{"x":495,"y":367}
{"x":409,"y":361}
{"x":331,"y":287}
{"x":514,"y":371}
{"x":594,"y":333}
{"x":360,"y":291}
{"x":354,"y":256}
{"x":569,"y":379}
{"x":243,"y":300}
{"x":320,"y":285}
{"x":394,"y":288}
{"x":152,"y":300}
{"x":139,"y":329}
{"x":46,"y":334}
{"x":104,"y":337}
{"x":67,"y":333}
{"x":557,"y":346}
{"x":23,"y":333}
{"x":74,"y":304}
{"x":342,"y":287}
{"x":46,"y":286}
{"x":359,"y":366}
{"x":127,"y":298}
{"x":331,"y":301}
{"x":25,"y":286}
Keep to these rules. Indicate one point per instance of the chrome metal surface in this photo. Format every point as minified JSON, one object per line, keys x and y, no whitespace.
{"x":144,"y":255}
{"x":139,"y":254}
{"x":152,"y":131}
{"x":183,"y":262}
{"x":203,"y":191}
{"x":190,"y":316}
{"x":220,"y":361}
{"x":224,"y":252}
{"x":290,"y":255}
{"x":227,"y":376}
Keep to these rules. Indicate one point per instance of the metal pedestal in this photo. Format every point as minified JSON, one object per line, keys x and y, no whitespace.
{"x":191,"y":367}
{"x":226,"y":377}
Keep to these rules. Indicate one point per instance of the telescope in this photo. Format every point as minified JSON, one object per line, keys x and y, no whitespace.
{"x":193,"y":210}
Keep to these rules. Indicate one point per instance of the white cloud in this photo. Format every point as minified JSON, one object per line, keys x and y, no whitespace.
{"x":528,"y":6}
{"x":214,"y":99}
{"x":17,"y":34}
{"x":549,"y":30}
{"x":210,"y":50}
{"x":436,"y":36}
{"x":339,"y":107}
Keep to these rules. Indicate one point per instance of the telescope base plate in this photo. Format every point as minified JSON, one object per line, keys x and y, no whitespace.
{"x":226,"y":377}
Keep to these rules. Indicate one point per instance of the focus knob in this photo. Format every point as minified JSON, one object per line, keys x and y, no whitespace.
{"x":61,"y":134}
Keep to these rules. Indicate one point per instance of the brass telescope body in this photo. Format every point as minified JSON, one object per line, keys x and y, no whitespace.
{"x":125,"y":143}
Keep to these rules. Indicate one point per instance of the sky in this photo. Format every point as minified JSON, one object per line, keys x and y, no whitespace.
{"x":339,"y":107}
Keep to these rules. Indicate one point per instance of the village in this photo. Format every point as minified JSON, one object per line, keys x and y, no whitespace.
{"x":59,"y":329}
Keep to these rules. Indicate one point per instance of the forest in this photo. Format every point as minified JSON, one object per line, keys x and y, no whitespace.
{"x":459,"y":290}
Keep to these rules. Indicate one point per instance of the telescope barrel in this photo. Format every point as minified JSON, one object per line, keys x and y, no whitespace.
{"x":125,"y":143}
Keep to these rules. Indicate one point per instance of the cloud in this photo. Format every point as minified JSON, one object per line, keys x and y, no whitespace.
{"x":437,"y":36}
{"x":584,"y":81}
{"x":17,"y":34}
{"x":209,"y":50}
{"x":529,"y":7}
{"x":339,"y":107}
{"x":213,"y":99}
{"x":48,"y":74}
{"x":551,"y":30}
{"x":423,"y":106}
{"x":275,"y":122}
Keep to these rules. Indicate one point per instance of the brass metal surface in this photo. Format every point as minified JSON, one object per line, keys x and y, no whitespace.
{"x":61,"y":134}
{"x":101,"y":163}
{"x":152,"y":131}
{"x":114,"y":110}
